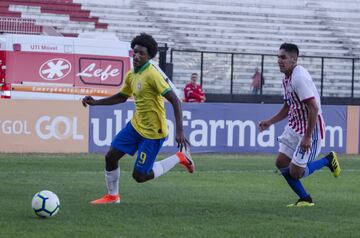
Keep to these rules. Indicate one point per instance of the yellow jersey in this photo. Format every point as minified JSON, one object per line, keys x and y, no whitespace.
{"x":147,"y":86}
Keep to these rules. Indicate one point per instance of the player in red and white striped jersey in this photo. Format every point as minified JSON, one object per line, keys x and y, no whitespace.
{"x":300,"y":143}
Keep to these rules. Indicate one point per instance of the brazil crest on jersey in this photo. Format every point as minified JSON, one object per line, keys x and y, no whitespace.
{"x":147,"y":86}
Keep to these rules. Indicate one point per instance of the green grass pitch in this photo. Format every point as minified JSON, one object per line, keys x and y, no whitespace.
{"x":228,"y":196}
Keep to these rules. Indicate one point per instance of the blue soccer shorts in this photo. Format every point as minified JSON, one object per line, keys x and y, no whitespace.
{"x":128,"y":140}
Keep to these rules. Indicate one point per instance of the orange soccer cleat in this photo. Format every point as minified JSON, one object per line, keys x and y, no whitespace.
{"x":186,"y":160}
{"x":107,"y":199}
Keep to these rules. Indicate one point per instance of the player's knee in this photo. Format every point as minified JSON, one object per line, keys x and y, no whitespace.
{"x":296,"y":174}
{"x":281,"y":164}
{"x":139,"y":177}
{"x":278,"y":164}
{"x":282,"y":161}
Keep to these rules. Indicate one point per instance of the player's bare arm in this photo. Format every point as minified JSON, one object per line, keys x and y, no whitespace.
{"x":281,"y":115}
{"x":175,"y":102}
{"x":114,"y":99}
{"x":313,"y":110}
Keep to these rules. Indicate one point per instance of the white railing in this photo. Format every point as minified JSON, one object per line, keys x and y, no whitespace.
{"x":19,"y":26}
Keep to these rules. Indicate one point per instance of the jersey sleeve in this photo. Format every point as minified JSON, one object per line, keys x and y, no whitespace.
{"x":302,"y":86}
{"x":126,"y":90}
{"x":160,"y":84}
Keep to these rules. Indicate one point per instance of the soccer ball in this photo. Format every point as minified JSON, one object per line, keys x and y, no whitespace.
{"x":45,"y":204}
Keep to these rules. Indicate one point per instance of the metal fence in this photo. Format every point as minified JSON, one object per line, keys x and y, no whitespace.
{"x":17,"y":25}
{"x":227,"y":76}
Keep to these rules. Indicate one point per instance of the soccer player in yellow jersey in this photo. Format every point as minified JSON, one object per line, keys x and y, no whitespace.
{"x":147,"y":130}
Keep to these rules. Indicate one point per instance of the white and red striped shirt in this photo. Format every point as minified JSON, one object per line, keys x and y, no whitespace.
{"x":298,"y":88}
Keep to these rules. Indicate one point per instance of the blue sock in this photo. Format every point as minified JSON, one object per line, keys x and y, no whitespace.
{"x":315,"y":165}
{"x":295,"y":184}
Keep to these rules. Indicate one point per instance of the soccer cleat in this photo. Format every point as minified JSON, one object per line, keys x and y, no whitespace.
{"x":303,"y":202}
{"x":107,"y":199}
{"x":186,"y":160}
{"x":333,"y":165}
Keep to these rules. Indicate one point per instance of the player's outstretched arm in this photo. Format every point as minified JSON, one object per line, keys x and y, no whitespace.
{"x":176,"y":104}
{"x":282,"y":114}
{"x":114,"y":99}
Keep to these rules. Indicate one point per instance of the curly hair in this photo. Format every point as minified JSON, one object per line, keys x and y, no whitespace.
{"x":147,"y":41}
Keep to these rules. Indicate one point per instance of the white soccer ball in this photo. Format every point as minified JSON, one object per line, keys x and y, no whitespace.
{"x":45,"y":204}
